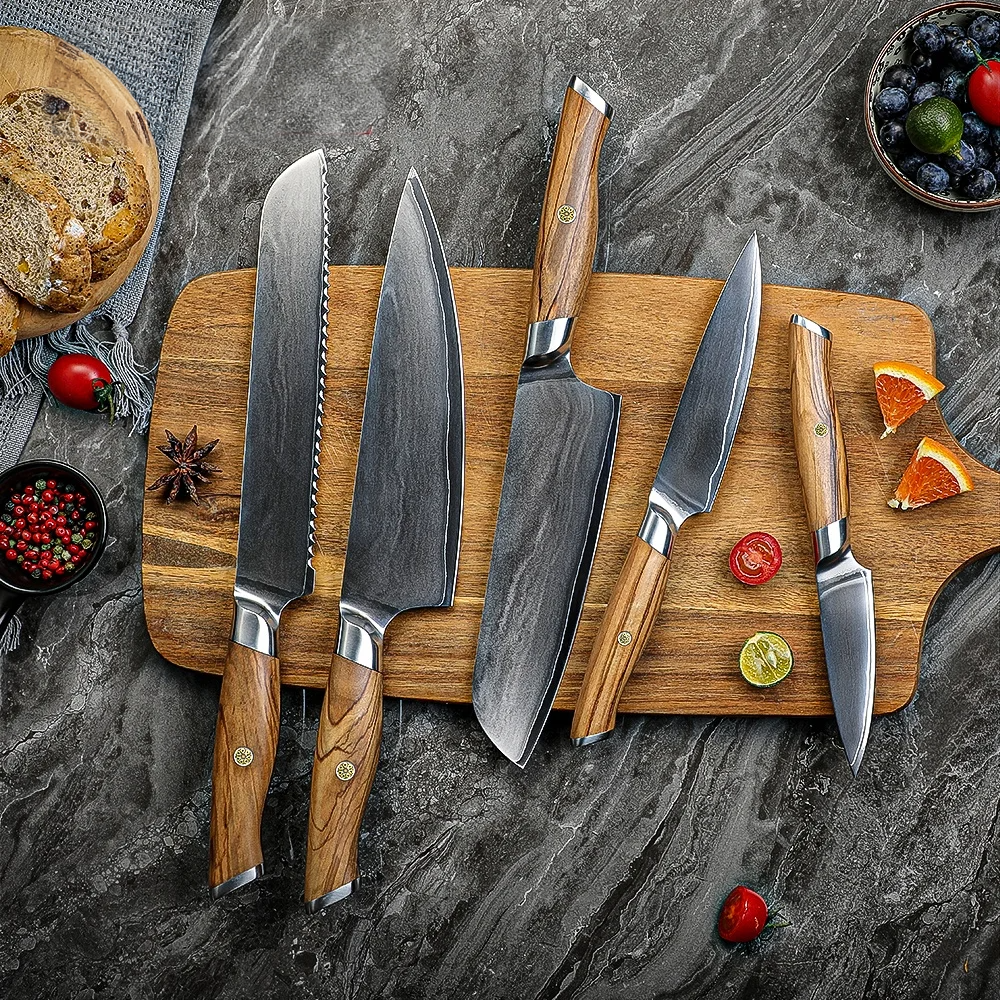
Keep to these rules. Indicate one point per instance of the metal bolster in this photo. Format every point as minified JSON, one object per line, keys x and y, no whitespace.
{"x":236,"y":882}
{"x":657,"y":531}
{"x":322,"y":902}
{"x":255,"y":625}
{"x":359,"y":640}
{"x":592,"y":97}
{"x":808,"y":324}
{"x":548,"y":340}
{"x":830,"y":540}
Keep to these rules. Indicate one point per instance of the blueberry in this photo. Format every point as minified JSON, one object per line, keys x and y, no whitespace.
{"x":995,"y":138}
{"x":929,"y":38}
{"x":933,"y":178}
{"x":923,"y":65}
{"x":900,"y":76}
{"x":963,"y":52}
{"x":986,"y":31}
{"x":980,"y":184}
{"x":960,"y":162}
{"x":891,"y":103}
{"x":892,"y":135}
{"x":985,"y":157}
{"x":925,"y":92}
{"x":953,"y":87}
{"x":976,"y":130}
{"x":952,"y":32}
{"x":911,"y":164}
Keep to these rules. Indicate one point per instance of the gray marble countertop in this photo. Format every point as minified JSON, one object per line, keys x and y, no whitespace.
{"x":579,"y":878}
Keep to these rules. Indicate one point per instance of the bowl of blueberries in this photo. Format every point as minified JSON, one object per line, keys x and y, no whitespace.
{"x":932,"y":107}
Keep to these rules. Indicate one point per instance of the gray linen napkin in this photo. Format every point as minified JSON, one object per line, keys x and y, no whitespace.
{"x":154,"y":48}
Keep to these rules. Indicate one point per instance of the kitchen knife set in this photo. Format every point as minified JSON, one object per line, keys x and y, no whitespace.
{"x":403,"y":541}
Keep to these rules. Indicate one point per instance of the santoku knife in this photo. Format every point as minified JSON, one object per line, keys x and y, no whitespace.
{"x":686,"y":483}
{"x":402,"y":547}
{"x":559,"y":457}
{"x":273,"y":558}
{"x":846,"y":597}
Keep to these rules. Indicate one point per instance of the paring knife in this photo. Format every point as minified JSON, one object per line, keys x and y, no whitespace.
{"x":273,"y":559}
{"x":846,"y":598}
{"x":686,"y":483}
{"x":559,"y":457}
{"x":402,"y":547}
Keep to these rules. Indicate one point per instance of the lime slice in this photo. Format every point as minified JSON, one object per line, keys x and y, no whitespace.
{"x":935,"y":126}
{"x":765,"y":659}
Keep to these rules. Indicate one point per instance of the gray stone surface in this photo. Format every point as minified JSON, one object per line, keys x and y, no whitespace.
{"x":587,"y":877}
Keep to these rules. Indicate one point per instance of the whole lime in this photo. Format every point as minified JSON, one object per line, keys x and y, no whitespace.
{"x":935,"y":125}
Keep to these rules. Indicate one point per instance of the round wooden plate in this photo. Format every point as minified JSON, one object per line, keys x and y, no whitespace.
{"x":36,"y":59}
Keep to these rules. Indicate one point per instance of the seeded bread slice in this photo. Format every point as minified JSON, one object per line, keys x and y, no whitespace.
{"x":10,"y":314}
{"x":44,"y":254}
{"x":105,"y":187}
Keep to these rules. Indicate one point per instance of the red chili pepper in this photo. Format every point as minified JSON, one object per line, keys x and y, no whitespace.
{"x":743,"y":916}
{"x":755,"y":558}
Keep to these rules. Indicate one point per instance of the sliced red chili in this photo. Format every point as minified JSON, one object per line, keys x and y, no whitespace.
{"x":755,"y":558}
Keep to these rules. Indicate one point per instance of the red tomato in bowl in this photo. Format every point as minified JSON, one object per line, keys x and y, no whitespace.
{"x":984,"y":92}
{"x":743,"y":916}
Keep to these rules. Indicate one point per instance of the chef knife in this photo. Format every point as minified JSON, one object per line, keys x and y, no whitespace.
{"x":690,"y":472}
{"x":402,"y":545}
{"x":273,"y":557}
{"x":846,"y":598}
{"x":559,"y":458}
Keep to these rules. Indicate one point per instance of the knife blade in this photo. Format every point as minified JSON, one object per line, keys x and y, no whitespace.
{"x":844,"y":586}
{"x":402,"y":547}
{"x":274,"y":551}
{"x":686,"y":483}
{"x":559,"y":458}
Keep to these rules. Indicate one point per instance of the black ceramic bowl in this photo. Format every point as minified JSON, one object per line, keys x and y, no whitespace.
{"x":15,"y":585}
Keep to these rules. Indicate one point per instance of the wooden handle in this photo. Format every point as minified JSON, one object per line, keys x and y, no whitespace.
{"x":624,"y":629}
{"x":347,"y":749}
{"x":246,"y":737}
{"x":567,"y":234}
{"x":819,"y":441}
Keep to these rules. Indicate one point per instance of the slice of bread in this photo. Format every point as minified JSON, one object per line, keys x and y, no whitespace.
{"x":10,"y":314}
{"x":44,"y":254}
{"x":105,"y":187}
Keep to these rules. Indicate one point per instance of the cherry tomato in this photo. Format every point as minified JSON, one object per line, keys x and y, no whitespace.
{"x":743,"y":916}
{"x":984,"y":92}
{"x":83,"y":382}
{"x":755,"y":558}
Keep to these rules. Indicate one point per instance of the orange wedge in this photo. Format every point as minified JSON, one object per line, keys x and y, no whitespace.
{"x":934,"y":473}
{"x":902,"y":389}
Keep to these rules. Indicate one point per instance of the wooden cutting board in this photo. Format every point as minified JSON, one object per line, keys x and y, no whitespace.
{"x":35,"y":59}
{"x":637,"y":336}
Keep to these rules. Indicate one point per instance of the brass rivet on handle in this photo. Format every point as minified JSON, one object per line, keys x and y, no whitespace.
{"x":243,"y":756}
{"x":345,"y":770}
{"x":624,"y":638}
{"x":566,"y":213}
{"x":820,"y":430}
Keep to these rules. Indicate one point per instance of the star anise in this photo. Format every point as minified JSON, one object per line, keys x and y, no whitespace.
{"x":189,"y":465}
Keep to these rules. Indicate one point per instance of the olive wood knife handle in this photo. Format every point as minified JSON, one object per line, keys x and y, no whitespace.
{"x":246,"y":738}
{"x":625,"y":627}
{"x":819,"y":440}
{"x":567,"y":235}
{"x":347,"y":751}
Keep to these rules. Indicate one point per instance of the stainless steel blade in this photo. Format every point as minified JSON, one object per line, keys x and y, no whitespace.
{"x":847,"y":617}
{"x":402,"y":549}
{"x":708,"y":413}
{"x":285,"y":402}
{"x":555,"y":486}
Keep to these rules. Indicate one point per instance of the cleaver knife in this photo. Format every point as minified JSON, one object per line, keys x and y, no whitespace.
{"x":277,"y":510}
{"x":846,"y":597}
{"x":686,"y":483}
{"x":559,"y":457}
{"x":402,"y":545}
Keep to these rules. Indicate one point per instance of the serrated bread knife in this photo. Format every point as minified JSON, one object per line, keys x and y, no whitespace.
{"x":273,"y":558}
{"x":846,"y":597}
{"x":402,"y":546}
{"x":686,"y":483}
{"x":559,"y":457}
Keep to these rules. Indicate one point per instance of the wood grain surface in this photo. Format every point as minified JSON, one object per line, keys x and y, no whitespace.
{"x":637,"y":335}
{"x":36,"y":59}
